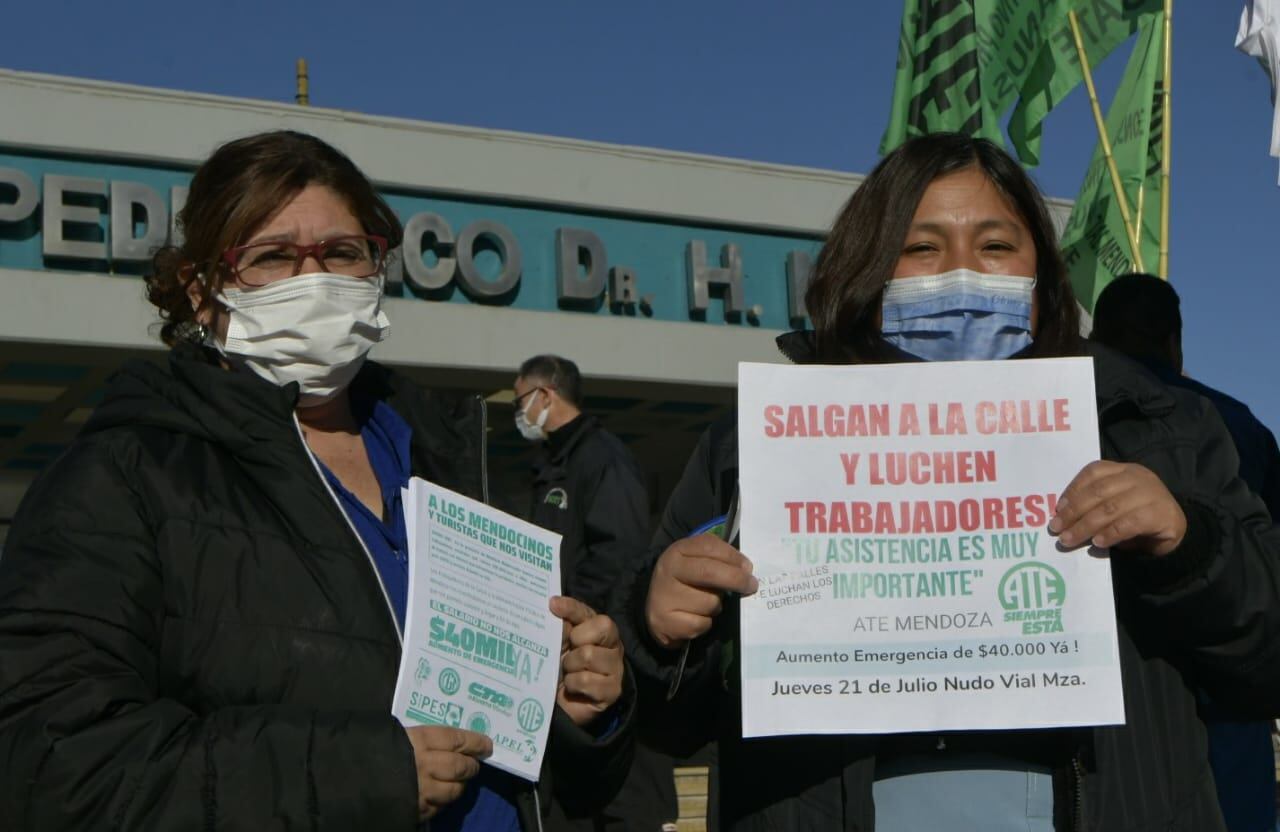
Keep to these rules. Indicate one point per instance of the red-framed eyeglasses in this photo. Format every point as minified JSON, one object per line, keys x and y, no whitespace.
{"x":356,"y":255}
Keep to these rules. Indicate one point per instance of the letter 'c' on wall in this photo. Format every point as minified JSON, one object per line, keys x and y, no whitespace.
{"x":416,"y":272}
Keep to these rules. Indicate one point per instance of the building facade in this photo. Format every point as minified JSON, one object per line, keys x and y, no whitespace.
{"x":657,"y":272}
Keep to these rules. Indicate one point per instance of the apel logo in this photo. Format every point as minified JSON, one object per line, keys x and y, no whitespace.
{"x":1033,"y":594}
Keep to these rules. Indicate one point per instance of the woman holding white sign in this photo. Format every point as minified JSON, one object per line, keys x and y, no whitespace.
{"x":201,"y":601}
{"x":946,"y":252}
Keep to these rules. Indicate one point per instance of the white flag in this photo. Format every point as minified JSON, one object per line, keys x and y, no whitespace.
{"x":1259,"y":36}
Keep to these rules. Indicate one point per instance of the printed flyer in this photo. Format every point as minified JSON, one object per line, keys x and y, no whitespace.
{"x":481,"y":647}
{"x":896,"y":516}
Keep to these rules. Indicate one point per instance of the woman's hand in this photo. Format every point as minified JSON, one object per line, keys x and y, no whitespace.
{"x":446,"y":758}
{"x":688,"y":584}
{"x":1121,"y":506}
{"x":591,"y":664}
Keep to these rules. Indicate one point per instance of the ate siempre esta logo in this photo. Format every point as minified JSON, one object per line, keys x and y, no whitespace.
{"x":1033,"y":593}
{"x":530,"y":715}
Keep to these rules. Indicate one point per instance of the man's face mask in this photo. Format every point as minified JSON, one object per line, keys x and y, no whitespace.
{"x":534,"y":431}
{"x":961,"y":315}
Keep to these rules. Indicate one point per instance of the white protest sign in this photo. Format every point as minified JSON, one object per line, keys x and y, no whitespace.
{"x":896,"y":516}
{"x":481,"y":647}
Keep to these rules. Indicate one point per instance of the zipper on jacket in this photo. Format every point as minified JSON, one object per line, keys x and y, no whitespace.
{"x":484,"y":450}
{"x":1077,"y":794}
{"x":315,"y":464}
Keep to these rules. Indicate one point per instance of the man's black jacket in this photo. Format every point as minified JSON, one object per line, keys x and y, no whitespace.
{"x":588,"y":488}
{"x":193,"y":637}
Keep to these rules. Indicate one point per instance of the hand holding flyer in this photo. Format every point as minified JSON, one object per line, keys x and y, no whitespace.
{"x":481,"y":647}
{"x":591,"y":664}
{"x":897,"y":519}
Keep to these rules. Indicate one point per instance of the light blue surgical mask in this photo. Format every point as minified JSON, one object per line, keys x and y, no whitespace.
{"x":961,"y":315}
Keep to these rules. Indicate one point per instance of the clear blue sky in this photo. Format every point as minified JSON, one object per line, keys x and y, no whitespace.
{"x":803,"y":83}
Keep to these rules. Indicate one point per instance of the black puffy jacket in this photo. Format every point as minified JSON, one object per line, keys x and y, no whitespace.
{"x":193,"y":637}
{"x":1207,"y":615}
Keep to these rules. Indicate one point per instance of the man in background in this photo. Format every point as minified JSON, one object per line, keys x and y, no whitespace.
{"x":588,"y":488}
{"x":1140,"y":315}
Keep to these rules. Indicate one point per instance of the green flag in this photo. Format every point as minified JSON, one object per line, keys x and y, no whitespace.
{"x":1104,"y":25}
{"x":1095,"y":244}
{"x":961,"y":64}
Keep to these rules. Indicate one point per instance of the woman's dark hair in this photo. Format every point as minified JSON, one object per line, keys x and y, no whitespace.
{"x":865,"y":242}
{"x":237,"y":190}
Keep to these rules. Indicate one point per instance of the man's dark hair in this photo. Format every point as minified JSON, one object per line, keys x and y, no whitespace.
{"x":1140,"y":315}
{"x":560,"y":374}
{"x":859,"y":256}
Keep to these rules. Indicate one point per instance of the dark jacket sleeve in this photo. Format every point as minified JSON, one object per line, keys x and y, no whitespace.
{"x":1271,"y":479}
{"x":687,"y":715}
{"x":1216,"y":599}
{"x":587,"y":765}
{"x":615,"y":529}
{"x":87,"y":738}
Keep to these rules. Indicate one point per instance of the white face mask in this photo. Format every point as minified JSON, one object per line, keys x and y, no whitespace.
{"x":533,"y":431}
{"x":313,"y":329}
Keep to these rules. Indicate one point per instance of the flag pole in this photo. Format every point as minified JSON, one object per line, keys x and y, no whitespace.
{"x":1142,"y":193}
{"x":303,"y":95}
{"x":1116,"y":185}
{"x":1165,"y":136}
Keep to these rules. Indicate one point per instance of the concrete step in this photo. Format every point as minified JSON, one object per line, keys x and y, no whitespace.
{"x":691,"y":790}
{"x":693,"y":806}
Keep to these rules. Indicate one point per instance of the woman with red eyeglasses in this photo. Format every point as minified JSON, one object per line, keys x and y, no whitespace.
{"x":201,"y":602}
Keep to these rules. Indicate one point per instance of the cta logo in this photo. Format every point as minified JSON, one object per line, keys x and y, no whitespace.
{"x":1033,"y":593}
{"x":486,"y":695}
